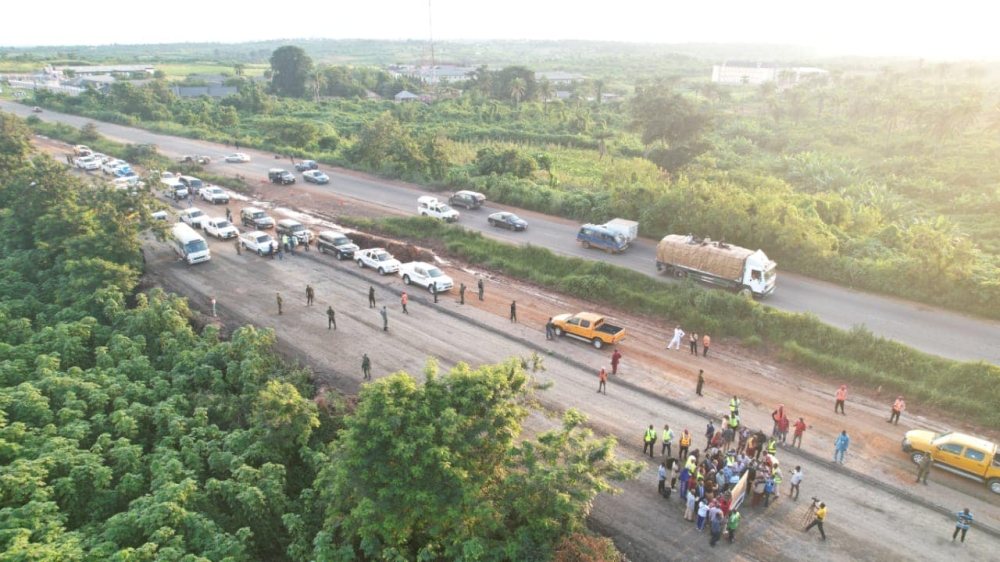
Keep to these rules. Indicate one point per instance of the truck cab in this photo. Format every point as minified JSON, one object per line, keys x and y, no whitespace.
{"x":601,"y":237}
{"x":428,"y":206}
{"x":760,"y":274}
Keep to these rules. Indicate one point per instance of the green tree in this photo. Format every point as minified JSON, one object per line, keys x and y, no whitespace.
{"x":437,"y":471}
{"x":290,"y":67}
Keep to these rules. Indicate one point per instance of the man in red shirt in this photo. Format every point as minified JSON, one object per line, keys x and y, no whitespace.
{"x":800,"y":428}
{"x":602,"y":378}
{"x":615,"y":358}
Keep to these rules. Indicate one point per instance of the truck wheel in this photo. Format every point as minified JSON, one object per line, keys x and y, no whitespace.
{"x":745,"y":292}
{"x":994,"y":485}
{"x":585,"y":244}
{"x":423,"y":214}
{"x":559,"y":331}
{"x":259,"y":252}
{"x":680,"y":273}
{"x":406,"y":279}
{"x":917,"y":456}
{"x":381,"y":271}
{"x":361,"y":264}
{"x":598,"y":343}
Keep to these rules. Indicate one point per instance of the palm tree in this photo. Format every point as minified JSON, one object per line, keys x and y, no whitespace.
{"x":239,"y":68}
{"x":517,"y":89}
{"x":317,"y":80}
{"x":599,"y":90}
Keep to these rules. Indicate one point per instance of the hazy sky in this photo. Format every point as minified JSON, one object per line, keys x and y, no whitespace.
{"x":953,"y":29}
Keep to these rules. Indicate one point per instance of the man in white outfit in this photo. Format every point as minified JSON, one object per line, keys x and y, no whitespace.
{"x":678,"y":336}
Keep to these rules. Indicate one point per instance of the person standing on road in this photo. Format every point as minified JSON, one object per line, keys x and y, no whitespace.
{"x":649,"y":440}
{"x":685,"y":443}
{"x":331,"y":318}
{"x":705,"y":342}
{"x":689,"y":509}
{"x":479,"y":285}
{"x":239,"y":248}
{"x":734,"y":406}
{"x":897,"y":408}
{"x":279,"y":303}
{"x":461,"y":293}
{"x":965,"y":520}
{"x":273,"y":249}
{"x":676,"y":341}
{"x":366,"y":367}
{"x":783,"y":429}
{"x":371,"y":296}
{"x":310,"y":295}
{"x":513,"y":311}
{"x":661,"y":484}
{"x":403,"y":301}
{"x":924,"y":467}
{"x":434,"y":291}
{"x":818,"y":521}
{"x":716,"y":526}
{"x":668,"y":441}
{"x":796,"y":480}
{"x":385,"y":319}
{"x":615,"y":358}
{"x":841,"y":398}
{"x":701,"y":382}
{"x":548,"y":329}
{"x":840,"y":447}
{"x":709,"y":433}
{"x":693,"y":343}
{"x":800,"y":428}
{"x":734,"y":523}
{"x":776,"y":417}
{"x":602,"y":381}
{"x":229,"y":215}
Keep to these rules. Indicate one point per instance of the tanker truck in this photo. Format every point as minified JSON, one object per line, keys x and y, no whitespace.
{"x":747,"y":272}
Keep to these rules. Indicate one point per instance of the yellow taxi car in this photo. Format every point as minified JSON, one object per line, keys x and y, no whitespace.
{"x":962,"y":454}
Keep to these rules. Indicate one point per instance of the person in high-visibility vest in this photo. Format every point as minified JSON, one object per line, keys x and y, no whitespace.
{"x":841,"y":398}
{"x":734,"y":406}
{"x":668,"y":440}
{"x":649,"y":440}
{"x":685,"y":444}
{"x":897,"y":408}
{"x":772,"y":446}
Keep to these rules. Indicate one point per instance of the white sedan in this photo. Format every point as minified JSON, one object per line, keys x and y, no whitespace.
{"x":378,"y":259}
{"x":238,"y":158}
{"x":113,"y":165}
{"x":214,"y":194}
{"x":220,"y":228}
{"x":315,"y":176}
{"x":256,"y":241}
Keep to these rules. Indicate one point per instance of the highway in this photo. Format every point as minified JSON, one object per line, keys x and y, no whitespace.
{"x":932,"y":330}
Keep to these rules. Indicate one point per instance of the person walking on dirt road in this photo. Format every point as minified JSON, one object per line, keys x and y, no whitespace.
{"x":964,"y":521}
{"x":513,"y":311}
{"x":668,"y":440}
{"x":649,"y":440}
{"x":279,"y":303}
{"x":331,"y":318}
{"x":479,"y":285}
{"x":385,"y":319}
{"x":549,"y":332}
{"x":705,"y":342}
{"x":676,"y":341}
{"x":796,"y":480}
{"x":404,"y":300}
{"x":701,"y":382}
{"x":366,"y":367}
{"x":820,"y":512}
{"x":461,"y":293}
{"x":924,"y":467}
{"x":615,"y":358}
{"x":310,"y":295}
{"x":371,"y":296}
{"x":602,"y":378}
{"x":800,"y":428}
{"x":841,"y":398}
{"x":734,"y":523}
{"x":239,"y":248}
{"x":897,"y":408}
{"x":693,"y":343}
{"x":685,"y":443}
{"x":840,"y":447}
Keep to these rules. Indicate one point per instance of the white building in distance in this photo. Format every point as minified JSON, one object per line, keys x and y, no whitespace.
{"x":749,"y":73}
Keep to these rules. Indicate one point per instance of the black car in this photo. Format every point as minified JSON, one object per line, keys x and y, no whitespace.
{"x":336,"y":243}
{"x":507,"y":220}
{"x":283,"y":177}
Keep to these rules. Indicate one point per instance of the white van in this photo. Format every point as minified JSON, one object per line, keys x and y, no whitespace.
{"x":172,"y":188}
{"x":189,"y":244}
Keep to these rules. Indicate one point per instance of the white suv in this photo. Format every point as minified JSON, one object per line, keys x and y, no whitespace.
{"x":378,"y":259}
{"x":426,"y":275}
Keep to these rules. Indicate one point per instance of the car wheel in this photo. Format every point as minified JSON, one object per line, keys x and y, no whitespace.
{"x":585,"y":244}
{"x":406,"y":279}
{"x":493,"y":223}
{"x":361,"y":264}
{"x":260,"y":252}
{"x":559,"y":331}
{"x":423,"y":214}
{"x":994,"y":485}
{"x":917,"y":456}
{"x":381,"y":271}
{"x":598,"y":343}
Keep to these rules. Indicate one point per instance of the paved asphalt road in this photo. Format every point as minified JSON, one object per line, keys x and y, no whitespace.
{"x":926,"y":328}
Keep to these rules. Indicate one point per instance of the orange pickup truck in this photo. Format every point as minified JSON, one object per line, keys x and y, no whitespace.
{"x":588,"y":327}
{"x":962,"y":454}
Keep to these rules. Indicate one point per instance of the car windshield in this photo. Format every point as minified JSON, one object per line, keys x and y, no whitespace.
{"x":195,"y":183}
{"x":445,"y":209}
{"x":259,"y":215}
{"x":513,"y":218}
{"x":196,"y":213}
{"x":384,"y":256}
{"x":222,"y":224}
{"x":263,"y":238}
{"x":216,"y":191}
{"x":434,"y":272}
{"x":298,"y":228}
{"x":195,"y":246}
{"x":343,"y":240}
